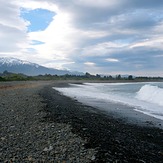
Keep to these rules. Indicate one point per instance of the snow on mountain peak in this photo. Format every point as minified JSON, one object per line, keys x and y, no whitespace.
{"x":10,"y":61}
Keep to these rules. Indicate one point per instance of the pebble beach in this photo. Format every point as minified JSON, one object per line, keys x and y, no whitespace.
{"x":38,"y":124}
{"x":24,"y":134}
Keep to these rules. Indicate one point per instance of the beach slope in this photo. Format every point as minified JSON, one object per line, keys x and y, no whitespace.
{"x":38,"y":124}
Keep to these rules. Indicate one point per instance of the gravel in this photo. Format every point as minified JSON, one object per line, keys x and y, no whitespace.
{"x":26,"y":136}
{"x":39,"y":125}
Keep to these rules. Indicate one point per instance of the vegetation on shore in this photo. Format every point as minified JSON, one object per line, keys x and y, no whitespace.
{"x":9,"y":76}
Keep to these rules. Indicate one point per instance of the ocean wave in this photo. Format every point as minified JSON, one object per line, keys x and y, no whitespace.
{"x":150,"y":93}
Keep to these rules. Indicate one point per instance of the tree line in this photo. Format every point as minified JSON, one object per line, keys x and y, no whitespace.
{"x":8,"y":76}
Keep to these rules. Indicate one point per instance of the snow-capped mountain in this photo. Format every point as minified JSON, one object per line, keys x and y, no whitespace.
{"x":20,"y":66}
{"x":13,"y":61}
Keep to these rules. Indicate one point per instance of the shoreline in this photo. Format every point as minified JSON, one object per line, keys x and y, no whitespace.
{"x":38,"y":124}
{"x":127,"y":113}
{"x":110,"y":136}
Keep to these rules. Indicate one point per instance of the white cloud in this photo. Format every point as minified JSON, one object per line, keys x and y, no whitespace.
{"x":60,"y":38}
{"x":36,"y":4}
{"x":102,"y":49}
{"x":10,"y":15}
{"x":151,"y":43}
{"x":112,"y":60}
{"x":89,"y":63}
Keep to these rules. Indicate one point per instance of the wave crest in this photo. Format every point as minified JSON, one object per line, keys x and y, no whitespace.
{"x":150,"y":93}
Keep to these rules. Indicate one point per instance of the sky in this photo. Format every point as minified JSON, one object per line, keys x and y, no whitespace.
{"x":100,"y":37}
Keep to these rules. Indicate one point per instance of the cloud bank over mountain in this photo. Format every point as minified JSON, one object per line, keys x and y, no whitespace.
{"x":112,"y":37}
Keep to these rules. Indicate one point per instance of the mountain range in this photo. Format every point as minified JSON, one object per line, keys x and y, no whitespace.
{"x":15,"y":65}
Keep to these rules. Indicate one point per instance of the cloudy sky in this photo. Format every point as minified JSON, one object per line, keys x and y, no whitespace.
{"x":96,"y":36}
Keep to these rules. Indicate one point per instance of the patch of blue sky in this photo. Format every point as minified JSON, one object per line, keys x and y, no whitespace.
{"x":36,"y":42}
{"x":39,"y":18}
{"x":31,"y":50}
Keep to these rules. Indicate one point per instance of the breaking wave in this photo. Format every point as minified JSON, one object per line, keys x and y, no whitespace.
{"x":143,"y":97}
{"x":150,"y":93}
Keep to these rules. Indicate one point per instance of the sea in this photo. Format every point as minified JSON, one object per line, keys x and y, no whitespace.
{"x":145,"y":97}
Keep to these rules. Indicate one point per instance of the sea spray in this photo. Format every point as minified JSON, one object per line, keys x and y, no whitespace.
{"x":150,"y":93}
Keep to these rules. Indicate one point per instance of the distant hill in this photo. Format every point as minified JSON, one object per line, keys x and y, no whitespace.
{"x":20,"y":66}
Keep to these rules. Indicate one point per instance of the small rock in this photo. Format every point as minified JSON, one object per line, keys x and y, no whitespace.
{"x":117,"y":141}
{"x":30,"y":158}
{"x":84,"y":129}
{"x":150,"y":136}
{"x":3,"y":138}
{"x":161,"y":153}
{"x":46,"y":149}
{"x":142,"y":161}
{"x":93,"y":158}
{"x":50,"y":148}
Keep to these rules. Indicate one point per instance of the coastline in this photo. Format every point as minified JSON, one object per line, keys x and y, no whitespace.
{"x":59,"y":128}
{"x":127,"y":114}
{"x":112,"y":138}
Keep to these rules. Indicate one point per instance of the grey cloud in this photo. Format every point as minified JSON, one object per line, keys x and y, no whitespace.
{"x":87,"y":15}
{"x":140,"y":20}
{"x":123,"y":13}
{"x":127,"y":21}
{"x":12,"y":28}
{"x":136,"y":59}
{"x":145,"y":3}
{"x":11,"y":38}
{"x":139,"y":56}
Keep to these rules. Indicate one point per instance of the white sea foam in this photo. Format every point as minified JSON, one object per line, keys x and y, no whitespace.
{"x":152,"y":94}
{"x":144,"y":97}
